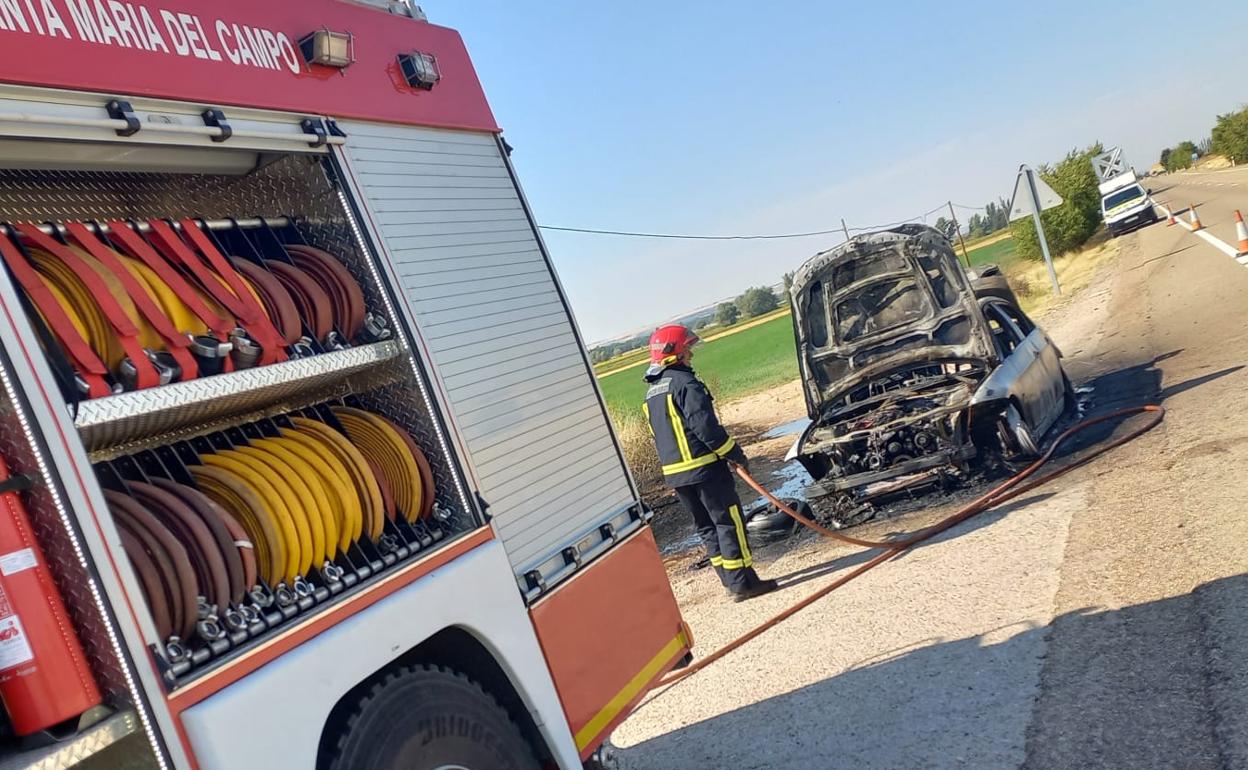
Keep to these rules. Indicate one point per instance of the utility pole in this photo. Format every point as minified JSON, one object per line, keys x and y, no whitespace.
{"x":846,"y":229}
{"x":958,"y":229}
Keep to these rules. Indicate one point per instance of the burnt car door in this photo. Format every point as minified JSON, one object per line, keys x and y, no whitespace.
{"x":1031,"y":369}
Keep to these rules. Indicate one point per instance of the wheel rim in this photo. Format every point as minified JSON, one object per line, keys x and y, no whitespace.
{"x":1022,"y":433}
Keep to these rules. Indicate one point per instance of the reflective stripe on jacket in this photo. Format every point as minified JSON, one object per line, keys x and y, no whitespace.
{"x":687,"y":434}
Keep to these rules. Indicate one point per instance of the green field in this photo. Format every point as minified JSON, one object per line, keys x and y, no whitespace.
{"x":625,"y":359}
{"x":1000,"y":253}
{"x":733,"y":366}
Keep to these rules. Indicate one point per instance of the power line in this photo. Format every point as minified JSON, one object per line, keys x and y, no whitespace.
{"x":683,"y":236}
{"x":869,"y":228}
{"x":756,"y":237}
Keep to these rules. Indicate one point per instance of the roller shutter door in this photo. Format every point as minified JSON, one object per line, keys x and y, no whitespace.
{"x":504,"y":346}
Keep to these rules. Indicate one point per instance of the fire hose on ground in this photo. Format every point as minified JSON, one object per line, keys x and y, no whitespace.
{"x":1008,"y":490}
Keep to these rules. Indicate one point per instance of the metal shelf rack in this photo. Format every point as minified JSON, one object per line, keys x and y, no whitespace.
{"x":113,"y":422}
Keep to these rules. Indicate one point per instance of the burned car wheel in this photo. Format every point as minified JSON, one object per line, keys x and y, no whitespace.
{"x":1022,"y":443}
{"x":767,"y":522}
{"x":1070,"y":399}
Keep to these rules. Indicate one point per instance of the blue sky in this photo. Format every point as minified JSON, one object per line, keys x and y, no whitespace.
{"x":733,"y":117}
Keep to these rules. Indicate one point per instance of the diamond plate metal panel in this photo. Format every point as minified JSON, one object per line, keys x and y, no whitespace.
{"x":55,"y":529}
{"x":79,"y":751}
{"x":64,"y":557}
{"x":114,"y":420}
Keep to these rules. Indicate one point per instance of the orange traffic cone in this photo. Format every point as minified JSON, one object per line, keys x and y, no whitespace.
{"x":1241,"y":232}
{"x":1170,"y":220}
{"x":1196,"y":225}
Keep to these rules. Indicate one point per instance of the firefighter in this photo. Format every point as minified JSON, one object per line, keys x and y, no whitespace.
{"x":695,"y":452}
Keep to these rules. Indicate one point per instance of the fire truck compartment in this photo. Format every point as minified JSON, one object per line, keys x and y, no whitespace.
{"x":399,"y":393}
{"x":165,"y":432}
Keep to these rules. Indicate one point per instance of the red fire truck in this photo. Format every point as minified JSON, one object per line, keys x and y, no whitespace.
{"x":304,"y":463}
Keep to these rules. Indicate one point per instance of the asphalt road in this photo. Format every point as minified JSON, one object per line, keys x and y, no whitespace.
{"x":1100,"y":622}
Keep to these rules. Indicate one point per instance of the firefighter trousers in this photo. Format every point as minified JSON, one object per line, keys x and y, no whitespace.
{"x":717,"y":517}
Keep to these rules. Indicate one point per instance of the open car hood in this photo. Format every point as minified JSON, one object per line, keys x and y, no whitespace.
{"x":878,"y":303}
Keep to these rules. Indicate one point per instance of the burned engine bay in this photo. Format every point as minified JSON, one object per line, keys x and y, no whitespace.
{"x":906,"y":435}
{"x":892,"y":347}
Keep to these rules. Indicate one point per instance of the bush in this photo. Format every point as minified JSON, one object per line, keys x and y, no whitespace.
{"x":1070,"y":225}
{"x":1230,"y":135}
{"x":1180,"y":156}
{"x":757,"y":300}
{"x":1021,"y":284}
{"x":727,"y":314}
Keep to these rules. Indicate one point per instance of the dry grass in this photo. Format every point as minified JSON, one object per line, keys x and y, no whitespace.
{"x":638,"y":447}
{"x":1075,"y":270}
{"x":1213,"y":163}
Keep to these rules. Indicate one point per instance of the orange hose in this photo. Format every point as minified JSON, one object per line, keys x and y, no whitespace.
{"x":1011,"y":488}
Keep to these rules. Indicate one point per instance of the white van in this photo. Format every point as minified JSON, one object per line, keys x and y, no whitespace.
{"x":1125,"y":204}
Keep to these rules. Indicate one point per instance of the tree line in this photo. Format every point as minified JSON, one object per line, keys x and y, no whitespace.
{"x":612,"y":349}
{"x":1181,"y":156}
{"x":1229,"y":137}
{"x":751,"y":303}
{"x":996,"y":216}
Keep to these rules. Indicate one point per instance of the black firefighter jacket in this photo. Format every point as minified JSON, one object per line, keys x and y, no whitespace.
{"x":687,"y":434}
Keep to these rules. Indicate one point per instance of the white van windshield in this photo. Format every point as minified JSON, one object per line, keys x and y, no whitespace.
{"x":1126,"y":195}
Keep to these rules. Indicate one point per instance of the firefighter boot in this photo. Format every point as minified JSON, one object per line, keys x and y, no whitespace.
{"x":755,"y":586}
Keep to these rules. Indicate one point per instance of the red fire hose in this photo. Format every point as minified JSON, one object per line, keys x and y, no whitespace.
{"x":1011,"y":488}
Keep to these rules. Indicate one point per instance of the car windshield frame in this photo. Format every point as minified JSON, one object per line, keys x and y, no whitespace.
{"x":896,"y":286}
{"x":1120,"y":198}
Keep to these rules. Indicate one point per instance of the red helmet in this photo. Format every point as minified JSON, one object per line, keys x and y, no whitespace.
{"x":668,"y":343}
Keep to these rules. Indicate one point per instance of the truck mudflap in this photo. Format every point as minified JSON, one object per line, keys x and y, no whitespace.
{"x":608,"y":634}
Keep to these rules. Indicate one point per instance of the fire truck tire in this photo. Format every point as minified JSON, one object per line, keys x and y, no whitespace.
{"x":429,"y":717}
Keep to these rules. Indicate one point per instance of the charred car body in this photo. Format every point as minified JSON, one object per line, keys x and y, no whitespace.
{"x":912,"y":370}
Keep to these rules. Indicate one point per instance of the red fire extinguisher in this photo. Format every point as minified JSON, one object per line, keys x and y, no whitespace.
{"x":44,"y":677}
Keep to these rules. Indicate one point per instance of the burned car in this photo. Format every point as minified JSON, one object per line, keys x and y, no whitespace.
{"x":913,"y":372}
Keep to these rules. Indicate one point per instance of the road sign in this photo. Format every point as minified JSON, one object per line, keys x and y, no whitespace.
{"x":1109,"y":164}
{"x":1024,"y":202}
{"x":1031,"y":196}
